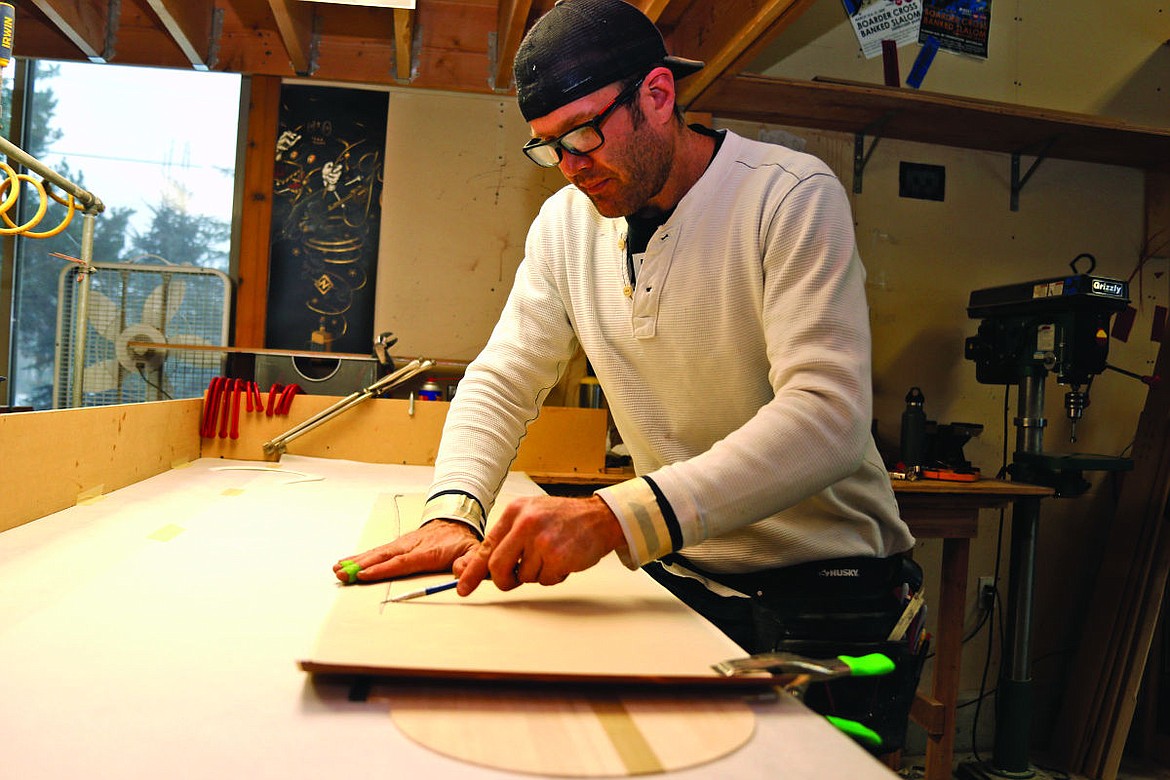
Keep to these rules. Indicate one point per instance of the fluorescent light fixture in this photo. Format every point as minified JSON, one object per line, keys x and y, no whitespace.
{"x":370,"y":3}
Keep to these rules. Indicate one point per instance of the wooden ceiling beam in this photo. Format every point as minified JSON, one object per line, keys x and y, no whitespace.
{"x":191,"y":25}
{"x":654,"y":9}
{"x":85,"y":23}
{"x":403,"y":44}
{"x":727,"y":35}
{"x":511,"y":22}
{"x":294,"y":24}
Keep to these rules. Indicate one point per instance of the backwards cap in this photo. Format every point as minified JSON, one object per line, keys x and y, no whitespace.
{"x":580,"y":46}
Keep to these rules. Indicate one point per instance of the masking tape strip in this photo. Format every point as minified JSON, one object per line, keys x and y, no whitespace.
{"x":90,"y":495}
{"x":232,"y":492}
{"x":632,"y":748}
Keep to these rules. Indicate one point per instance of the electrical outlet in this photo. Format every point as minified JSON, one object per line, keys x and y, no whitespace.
{"x":986,"y":593}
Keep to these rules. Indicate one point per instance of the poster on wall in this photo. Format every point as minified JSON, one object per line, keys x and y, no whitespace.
{"x":959,"y":26}
{"x":326,"y":211}
{"x":875,"y":21}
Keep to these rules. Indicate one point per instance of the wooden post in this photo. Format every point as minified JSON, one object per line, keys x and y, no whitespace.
{"x":256,"y":216}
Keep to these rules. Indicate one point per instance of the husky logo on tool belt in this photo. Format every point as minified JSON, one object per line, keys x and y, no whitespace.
{"x":1106,"y":287}
{"x":840,"y":572}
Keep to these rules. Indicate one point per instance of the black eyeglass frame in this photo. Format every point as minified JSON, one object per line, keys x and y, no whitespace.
{"x":558,"y":144}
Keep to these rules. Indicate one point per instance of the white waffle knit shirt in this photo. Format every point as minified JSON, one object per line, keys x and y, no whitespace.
{"x":737,"y":371}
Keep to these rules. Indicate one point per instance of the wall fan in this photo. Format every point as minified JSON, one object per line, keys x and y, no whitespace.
{"x":129,"y":305}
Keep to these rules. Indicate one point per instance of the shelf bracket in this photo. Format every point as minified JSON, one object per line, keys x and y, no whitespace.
{"x":1018,"y":181}
{"x":861,"y":155}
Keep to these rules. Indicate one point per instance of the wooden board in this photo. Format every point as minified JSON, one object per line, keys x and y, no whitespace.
{"x":56,"y":459}
{"x":385,"y":430}
{"x":606,"y":625}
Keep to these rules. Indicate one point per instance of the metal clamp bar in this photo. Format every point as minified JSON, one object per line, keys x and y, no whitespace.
{"x":278,"y":443}
{"x":87,"y":199}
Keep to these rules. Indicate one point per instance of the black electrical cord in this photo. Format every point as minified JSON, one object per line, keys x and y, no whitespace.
{"x":142,"y":373}
{"x":995,"y":607}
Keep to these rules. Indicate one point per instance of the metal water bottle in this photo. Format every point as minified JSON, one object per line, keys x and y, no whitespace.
{"x":913,"y":443}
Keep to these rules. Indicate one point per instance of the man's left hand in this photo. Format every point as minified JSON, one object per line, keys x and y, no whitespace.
{"x":541,"y":539}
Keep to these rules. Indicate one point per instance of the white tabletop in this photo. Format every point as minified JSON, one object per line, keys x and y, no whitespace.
{"x":154,"y":632}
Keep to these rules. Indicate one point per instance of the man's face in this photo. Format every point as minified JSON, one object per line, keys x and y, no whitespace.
{"x":628,"y":170}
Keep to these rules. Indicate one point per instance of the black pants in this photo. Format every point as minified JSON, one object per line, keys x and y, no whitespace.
{"x":845,"y":606}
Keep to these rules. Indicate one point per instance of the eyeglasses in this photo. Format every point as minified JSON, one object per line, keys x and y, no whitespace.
{"x":583,"y":138}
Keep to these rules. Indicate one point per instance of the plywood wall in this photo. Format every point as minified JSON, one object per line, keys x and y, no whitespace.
{"x":457,"y":201}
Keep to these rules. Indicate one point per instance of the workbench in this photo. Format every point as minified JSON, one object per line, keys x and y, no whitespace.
{"x":153,"y":627}
{"x":949,"y":511}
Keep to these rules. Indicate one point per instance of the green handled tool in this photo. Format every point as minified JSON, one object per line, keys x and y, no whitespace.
{"x":871,"y":665}
{"x":808,"y":670}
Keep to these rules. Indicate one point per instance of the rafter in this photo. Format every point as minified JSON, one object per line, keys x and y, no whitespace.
{"x":511,"y":20}
{"x":727,"y":34}
{"x":654,"y":9}
{"x":403,"y":43}
{"x":294,"y":23}
{"x":189,"y":23}
{"x":83,"y":22}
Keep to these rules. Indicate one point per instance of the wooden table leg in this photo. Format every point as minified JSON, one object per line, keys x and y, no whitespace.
{"x":948,"y":654}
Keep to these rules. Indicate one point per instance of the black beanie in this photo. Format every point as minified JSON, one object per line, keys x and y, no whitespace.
{"x":580,"y":46}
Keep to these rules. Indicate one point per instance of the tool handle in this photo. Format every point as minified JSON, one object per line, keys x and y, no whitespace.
{"x":862,"y":734}
{"x":872,"y":665}
{"x":273,"y":397}
{"x":237,"y":390}
{"x":225,"y":407}
{"x":207,"y":426}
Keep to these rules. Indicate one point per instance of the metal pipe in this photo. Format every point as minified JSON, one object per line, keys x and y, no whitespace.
{"x":1014,"y":697}
{"x":278,"y":443}
{"x":81,"y":308}
{"x":88,"y":200}
{"x":358,"y":395}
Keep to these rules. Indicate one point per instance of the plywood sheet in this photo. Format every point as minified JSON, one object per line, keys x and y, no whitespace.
{"x":604,"y":625}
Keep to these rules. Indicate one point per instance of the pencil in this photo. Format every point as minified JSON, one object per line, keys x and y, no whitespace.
{"x":414,"y":594}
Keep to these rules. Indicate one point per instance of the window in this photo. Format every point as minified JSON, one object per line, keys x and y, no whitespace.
{"x":158,"y":147}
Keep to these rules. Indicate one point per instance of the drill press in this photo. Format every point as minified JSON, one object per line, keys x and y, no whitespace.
{"x":1056,"y":326}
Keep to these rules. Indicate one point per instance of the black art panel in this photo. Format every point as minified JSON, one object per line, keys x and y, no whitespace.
{"x":326,"y":210}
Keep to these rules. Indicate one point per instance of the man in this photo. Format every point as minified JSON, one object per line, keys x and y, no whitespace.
{"x":714,"y":285}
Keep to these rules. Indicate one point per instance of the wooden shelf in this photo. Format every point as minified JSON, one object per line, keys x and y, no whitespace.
{"x":912,"y":115}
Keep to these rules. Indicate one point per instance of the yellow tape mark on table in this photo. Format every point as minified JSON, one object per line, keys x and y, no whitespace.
{"x":166,"y":533}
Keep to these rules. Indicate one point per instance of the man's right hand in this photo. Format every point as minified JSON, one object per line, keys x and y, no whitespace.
{"x":432,"y":548}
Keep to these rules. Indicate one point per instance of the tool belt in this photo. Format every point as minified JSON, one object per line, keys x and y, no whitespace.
{"x":851,"y":599}
{"x":842,"y":606}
